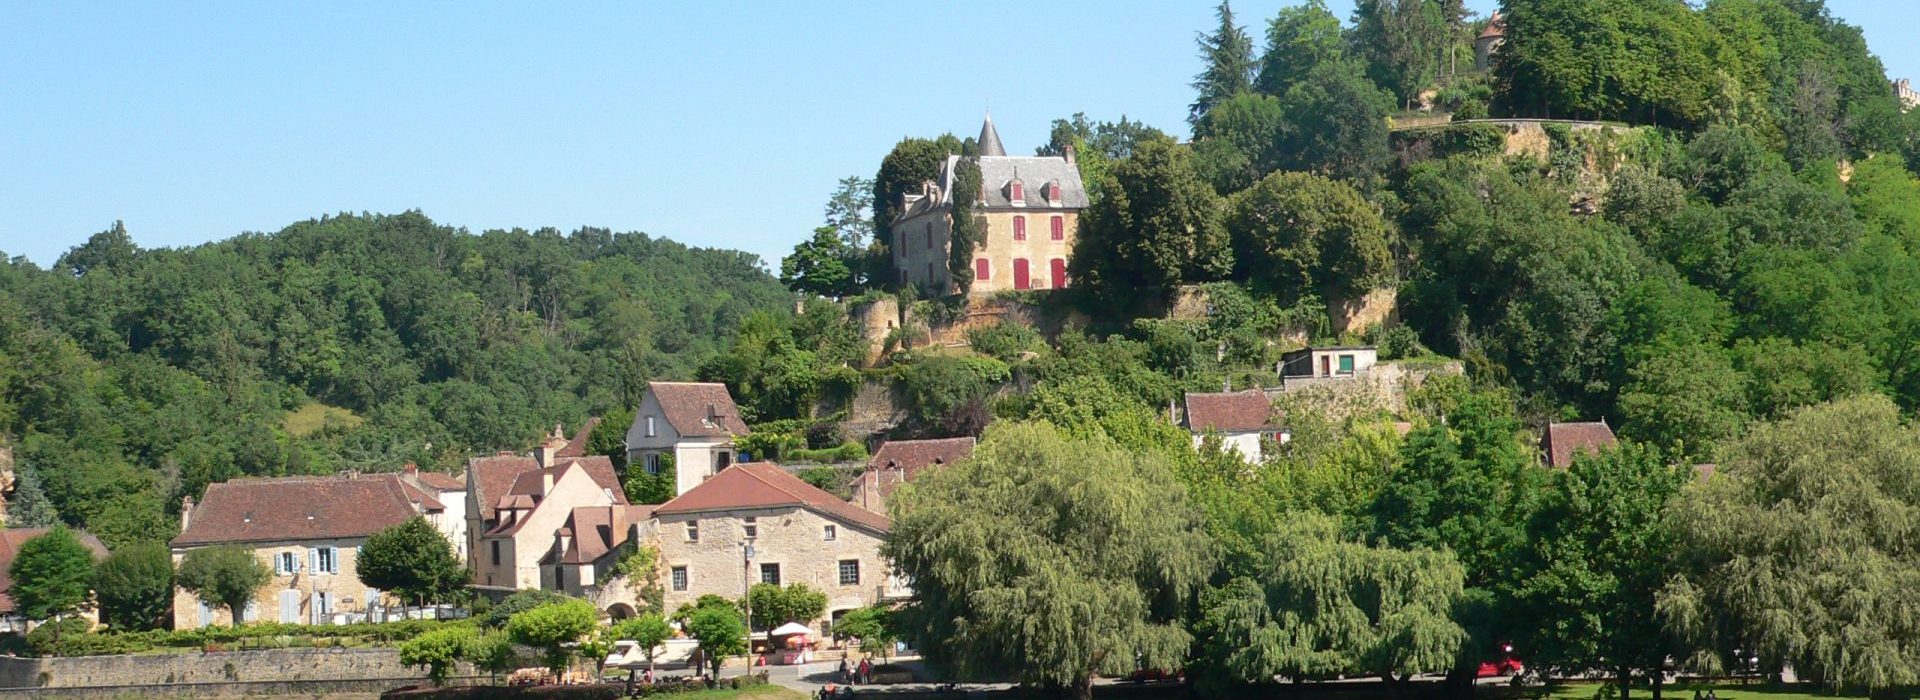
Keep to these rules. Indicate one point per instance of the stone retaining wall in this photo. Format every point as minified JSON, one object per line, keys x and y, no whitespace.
{"x":171,"y":669}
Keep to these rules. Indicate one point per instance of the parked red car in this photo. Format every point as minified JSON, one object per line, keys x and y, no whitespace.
{"x":1508,"y":665}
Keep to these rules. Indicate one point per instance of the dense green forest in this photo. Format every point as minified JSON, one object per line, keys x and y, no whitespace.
{"x":1722,"y":261}
{"x":130,"y":377}
{"x":1727,"y":271}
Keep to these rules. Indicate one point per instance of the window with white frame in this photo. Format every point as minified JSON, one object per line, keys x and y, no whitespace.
{"x":770,"y":573}
{"x":650,"y":431}
{"x":830,"y":533}
{"x":679,"y":577}
{"x":693,"y":531}
{"x":753,"y":527}
{"x":849,"y":572}
{"x":286,"y":563}
{"x":653,"y":462}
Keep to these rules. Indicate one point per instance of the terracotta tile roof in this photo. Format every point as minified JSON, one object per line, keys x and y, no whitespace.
{"x":597,"y":530}
{"x":577,"y":447}
{"x":10,"y":541}
{"x":1564,"y":440}
{"x":913,"y":454}
{"x":900,"y":461}
{"x":490,"y":477}
{"x":296,"y":508}
{"x":1496,"y":27}
{"x":766,"y":485}
{"x":698,"y":409}
{"x":599,"y":468}
{"x":420,"y":498}
{"x":1230,"y":412}
{"x":442,"y":482}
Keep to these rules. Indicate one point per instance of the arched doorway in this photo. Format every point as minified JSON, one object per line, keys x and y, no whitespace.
{"x":620,"y":611}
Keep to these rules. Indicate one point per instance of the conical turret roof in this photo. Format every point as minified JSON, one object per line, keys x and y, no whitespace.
{"x":990,"y":139}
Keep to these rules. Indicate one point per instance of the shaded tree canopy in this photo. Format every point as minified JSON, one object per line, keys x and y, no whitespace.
{"x":1011,"y":574}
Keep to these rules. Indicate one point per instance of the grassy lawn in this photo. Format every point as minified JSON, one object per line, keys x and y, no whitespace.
{"x":765,"y":692}
{"x":1723,"y":691}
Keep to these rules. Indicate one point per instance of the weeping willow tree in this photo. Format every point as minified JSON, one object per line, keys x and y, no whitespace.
{"x":1327,"y":605}
{"x":1804,"y":546}
{"x":1051,"y":557}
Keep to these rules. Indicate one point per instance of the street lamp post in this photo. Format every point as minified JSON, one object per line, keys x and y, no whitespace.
{"x":746,"y":595}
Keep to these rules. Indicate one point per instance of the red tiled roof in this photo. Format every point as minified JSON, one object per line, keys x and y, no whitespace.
{"x":913,"y":454}
{"x":1236,"y":411}
{"x":10,"y":541}
{"x":698,"y":409}
{"x":441,"y":482}
{"x":899,"y":461}
{"x":577,"y":447}
{"x":490,"y":477}
{"x":766,"y":485}
{"x":597,"y":530}
{"x":599,"y":468}
{"x":420,"y":498}
{"x":296,"y":508}
{"x":1564,"y":440}
{"x":1496,"y":27}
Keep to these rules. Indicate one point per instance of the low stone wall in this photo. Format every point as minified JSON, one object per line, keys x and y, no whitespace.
{"x":266,"y":665}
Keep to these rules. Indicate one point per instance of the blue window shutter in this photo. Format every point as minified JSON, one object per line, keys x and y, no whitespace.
{"x":313,"y":560}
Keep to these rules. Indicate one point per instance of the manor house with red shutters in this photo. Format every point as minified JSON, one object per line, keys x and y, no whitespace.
{"x":1028,"y":209}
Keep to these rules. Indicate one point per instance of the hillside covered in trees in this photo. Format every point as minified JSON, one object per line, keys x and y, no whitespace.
{"x":131,"y":377}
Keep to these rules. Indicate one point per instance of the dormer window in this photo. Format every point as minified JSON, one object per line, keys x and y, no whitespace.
{"x":1017,"y":193}
{"x":1052,"y":192}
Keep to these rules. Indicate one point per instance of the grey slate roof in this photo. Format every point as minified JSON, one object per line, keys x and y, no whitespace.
{"x":990,"y":139}
{"x":1034,"y":173}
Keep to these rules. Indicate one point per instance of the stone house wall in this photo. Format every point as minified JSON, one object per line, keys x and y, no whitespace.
{"x":791,"y":537}
{"x":347,"y":593}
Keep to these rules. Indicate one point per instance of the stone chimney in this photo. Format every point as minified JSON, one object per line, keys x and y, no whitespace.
{"x":555,"y":442}
{"x":186,"y":512}
{"x":546,"y":484}
{"x":1067,"y":152}
{"x":616,"y":522}
{"x":566,"y":539}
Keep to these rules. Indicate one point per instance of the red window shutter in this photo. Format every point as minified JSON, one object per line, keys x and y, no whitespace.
{"x":980,"y":269}
{"x":1019,"y":228}
{"x":1058,"y":271}
{"x":1059,"y":228}
{"x":1021,"y":280}
{"x":1019,"y":192}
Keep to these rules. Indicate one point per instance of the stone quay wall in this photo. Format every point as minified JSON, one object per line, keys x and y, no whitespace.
{"x":128,"y":671}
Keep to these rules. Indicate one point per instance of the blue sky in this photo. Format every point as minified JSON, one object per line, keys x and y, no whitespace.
{"x":717,"y":124}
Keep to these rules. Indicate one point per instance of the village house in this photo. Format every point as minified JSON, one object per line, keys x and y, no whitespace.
{"x":1904,"y":92}
{"x":451,"y":492}
{"x":1561,"y":442}
{"x":10,"y":540}
{"x":520,"y":507}
{"x":900,"y":461}
{"x":1309,"y":366}
{"x":686,"y":426}
{"x":1028,"y":208}
{"x":1241,"y":419}
{"x":756,"y":523}
{"x":308,"y":530}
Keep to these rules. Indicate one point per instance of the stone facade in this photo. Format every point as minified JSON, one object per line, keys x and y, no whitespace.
{"x":792,"y":538}
{"x":694,"y":457}
{"x":332,"y":595}
{"x":510,"y":555}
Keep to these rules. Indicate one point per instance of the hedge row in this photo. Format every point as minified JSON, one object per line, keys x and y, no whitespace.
{"x":44,"y":640}
{"x":597,"y":691}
